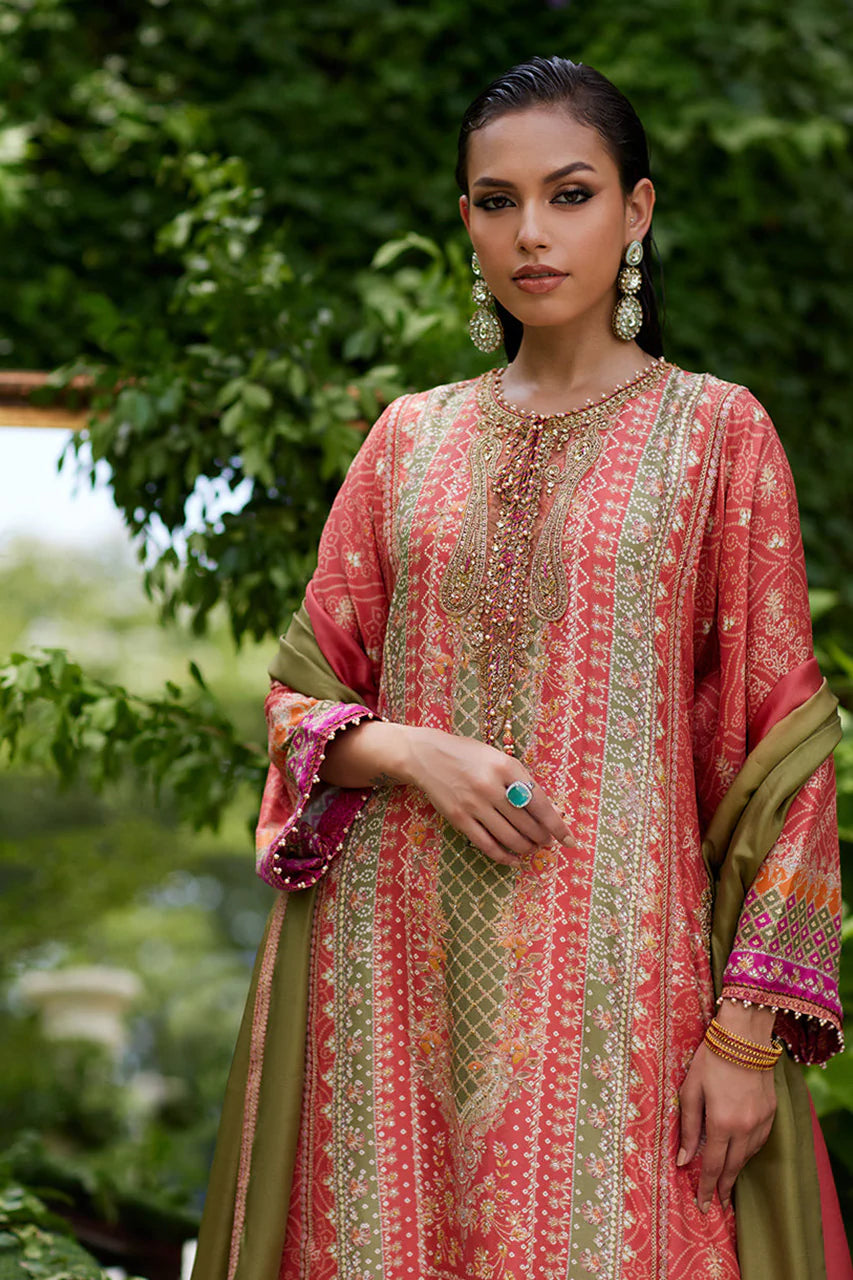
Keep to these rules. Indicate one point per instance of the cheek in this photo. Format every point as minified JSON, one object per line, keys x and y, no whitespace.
{"x":599,"y":251}
{"x":494,"y":245}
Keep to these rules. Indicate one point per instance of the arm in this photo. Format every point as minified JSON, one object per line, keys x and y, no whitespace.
{"x":303,"y":822}
{"x":754,"y":666}
{"x":463,"y":779}
{"x":327,"y":752}
{"x":332,"y":654}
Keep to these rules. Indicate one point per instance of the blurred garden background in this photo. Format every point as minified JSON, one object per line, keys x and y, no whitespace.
{"x":236,"y":221}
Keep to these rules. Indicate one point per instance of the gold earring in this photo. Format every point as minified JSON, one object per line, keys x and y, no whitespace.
{"x":484,"y":326}
{"x":628,"y":313}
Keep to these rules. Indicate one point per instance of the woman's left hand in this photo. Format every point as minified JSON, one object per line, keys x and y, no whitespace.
{"x":735,"y":1104}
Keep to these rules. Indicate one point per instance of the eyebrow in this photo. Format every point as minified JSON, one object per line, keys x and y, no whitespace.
{"x":551,"y":177}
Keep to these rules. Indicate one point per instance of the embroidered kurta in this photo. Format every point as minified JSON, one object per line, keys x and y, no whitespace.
{"x":494,"y":1055}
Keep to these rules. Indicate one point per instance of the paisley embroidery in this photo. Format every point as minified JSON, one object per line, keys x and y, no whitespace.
{"x":508,"y":565}
{"x":494,"y":1056}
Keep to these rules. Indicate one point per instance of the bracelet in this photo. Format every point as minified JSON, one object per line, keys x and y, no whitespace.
{"x":744,"y":1053}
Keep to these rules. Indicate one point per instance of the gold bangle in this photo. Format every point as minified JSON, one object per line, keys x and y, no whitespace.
{"x":740,"y":1051}
{"x":761,"y":1059}
{"x":737,"y":1042}
{"x":743,"y":1051}
{"x":739,"y":1062}
{"x":749,"y":1044}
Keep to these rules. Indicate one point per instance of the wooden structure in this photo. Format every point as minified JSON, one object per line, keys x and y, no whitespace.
{"x":68,"y":409}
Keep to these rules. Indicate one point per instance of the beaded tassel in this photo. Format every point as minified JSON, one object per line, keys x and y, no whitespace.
{"x":528,"y":465}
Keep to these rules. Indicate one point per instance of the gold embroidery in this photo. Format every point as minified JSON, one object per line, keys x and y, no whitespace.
{"x":497,"y":581}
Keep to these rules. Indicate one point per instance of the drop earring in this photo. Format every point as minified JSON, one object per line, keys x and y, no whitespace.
{"x":484,"y":326}
{"x":628,"y":313}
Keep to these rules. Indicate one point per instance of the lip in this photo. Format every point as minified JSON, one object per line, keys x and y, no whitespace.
{"x":539,"y":279}
{"x":536,"y":269}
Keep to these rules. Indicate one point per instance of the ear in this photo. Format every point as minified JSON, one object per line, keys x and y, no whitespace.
{"x":639,"y":206}
{"x":465,"y":211}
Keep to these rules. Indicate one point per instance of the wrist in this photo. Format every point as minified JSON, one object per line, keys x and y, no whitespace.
{"x":405,"y":749}
{"x":754,"y":1022}
{"x":394,"y":757}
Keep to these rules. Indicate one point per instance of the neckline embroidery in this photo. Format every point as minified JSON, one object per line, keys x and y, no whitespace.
{"x":506,"y":572}
{"x":502,"y":413}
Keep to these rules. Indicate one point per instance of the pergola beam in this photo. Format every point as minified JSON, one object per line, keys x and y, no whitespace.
{"x":18,"y":410}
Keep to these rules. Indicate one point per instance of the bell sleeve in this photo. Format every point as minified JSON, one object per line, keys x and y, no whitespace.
{"x":754,"y":667}
{"x":326,"y":675}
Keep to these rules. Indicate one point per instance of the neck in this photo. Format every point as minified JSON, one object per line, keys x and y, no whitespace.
{"x":561,"y":368}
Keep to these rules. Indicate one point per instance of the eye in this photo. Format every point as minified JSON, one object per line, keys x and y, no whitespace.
{"x":572,"y":195}
{"x":494,"y":202}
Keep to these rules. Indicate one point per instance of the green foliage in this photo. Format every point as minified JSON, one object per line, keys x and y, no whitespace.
{"x":179,"y":741}
{"x":34,"y":1242}
{"x":108,"y":111}
{"x":248,"y":387}
{"x":190,"y":196}
{"x":108,"y":879}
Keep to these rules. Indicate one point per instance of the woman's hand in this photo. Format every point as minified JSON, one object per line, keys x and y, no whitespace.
{"x":464,"y":779}
{"x":736,"y":1104}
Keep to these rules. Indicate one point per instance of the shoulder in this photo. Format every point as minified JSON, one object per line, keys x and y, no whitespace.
{"x":410,"y":425}
{"x":715,"y":397}
{"x":740,"y":422}
{"x":753,"y":465}
{"x":422,"y":409}
{"x":417,"y":421}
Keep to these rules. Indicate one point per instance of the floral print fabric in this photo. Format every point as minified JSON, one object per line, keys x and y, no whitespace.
{"x":494,"y":1055}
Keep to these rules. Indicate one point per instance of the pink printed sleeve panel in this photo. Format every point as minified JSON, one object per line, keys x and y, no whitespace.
{"x":303,"y":820}
{"x":754,"y":665}
{"x":348,"y":597}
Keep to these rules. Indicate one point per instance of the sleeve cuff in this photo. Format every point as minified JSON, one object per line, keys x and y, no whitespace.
{"x":306,"y":820}
{"x":811,"y":1031}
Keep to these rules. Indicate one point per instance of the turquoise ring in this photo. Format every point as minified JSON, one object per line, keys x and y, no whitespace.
{"x":519,"y":794}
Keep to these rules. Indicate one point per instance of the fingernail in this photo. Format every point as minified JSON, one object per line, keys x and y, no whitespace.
{"x":726,"y":1202}
{"x":681,"y":1158}
{"x":703,"y":1208}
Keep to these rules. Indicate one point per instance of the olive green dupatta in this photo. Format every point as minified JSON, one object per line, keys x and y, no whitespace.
{"x":777,"y":1194}
{"x":245,"y":1213}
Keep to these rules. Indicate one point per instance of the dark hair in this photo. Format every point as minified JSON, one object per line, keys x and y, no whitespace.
{"x":590,"y":98}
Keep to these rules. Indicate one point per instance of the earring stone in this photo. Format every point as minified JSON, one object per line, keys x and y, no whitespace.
{"x":628,"y":312}
{"x":484,"y":326}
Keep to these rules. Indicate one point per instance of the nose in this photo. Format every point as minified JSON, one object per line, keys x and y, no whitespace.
{"x":531,"y":236}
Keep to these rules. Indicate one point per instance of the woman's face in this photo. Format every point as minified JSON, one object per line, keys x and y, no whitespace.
{"x":544,"y":193}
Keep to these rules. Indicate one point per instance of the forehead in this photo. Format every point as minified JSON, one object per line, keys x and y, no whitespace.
{"x":534,"y":142}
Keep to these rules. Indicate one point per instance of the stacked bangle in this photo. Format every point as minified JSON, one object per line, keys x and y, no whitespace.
{"x":745,"y":1053}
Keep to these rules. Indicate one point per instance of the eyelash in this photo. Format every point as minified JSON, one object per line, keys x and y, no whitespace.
{"x":583,"y":192}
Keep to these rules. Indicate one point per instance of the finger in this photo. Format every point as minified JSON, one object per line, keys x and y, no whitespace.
{"x":486,"y":843}
{"x":544,"y":812}
{"x":736,"y":1157}
{"x":690,"y":1108}
{"x":524,"y":823}
{"x":506,"y":834}
{"x":713,"y":1163}
{"x":541,"y":811}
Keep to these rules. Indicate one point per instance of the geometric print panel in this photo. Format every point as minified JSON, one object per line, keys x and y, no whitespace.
{"x":792,"y":930}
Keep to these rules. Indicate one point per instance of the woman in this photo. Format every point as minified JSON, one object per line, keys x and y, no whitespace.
{"x":549,"y":707}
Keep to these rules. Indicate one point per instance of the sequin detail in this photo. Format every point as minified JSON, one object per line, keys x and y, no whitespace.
{"x":506,"y":572}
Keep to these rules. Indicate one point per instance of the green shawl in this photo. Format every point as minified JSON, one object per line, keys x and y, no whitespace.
{"x":777,"y":1195}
